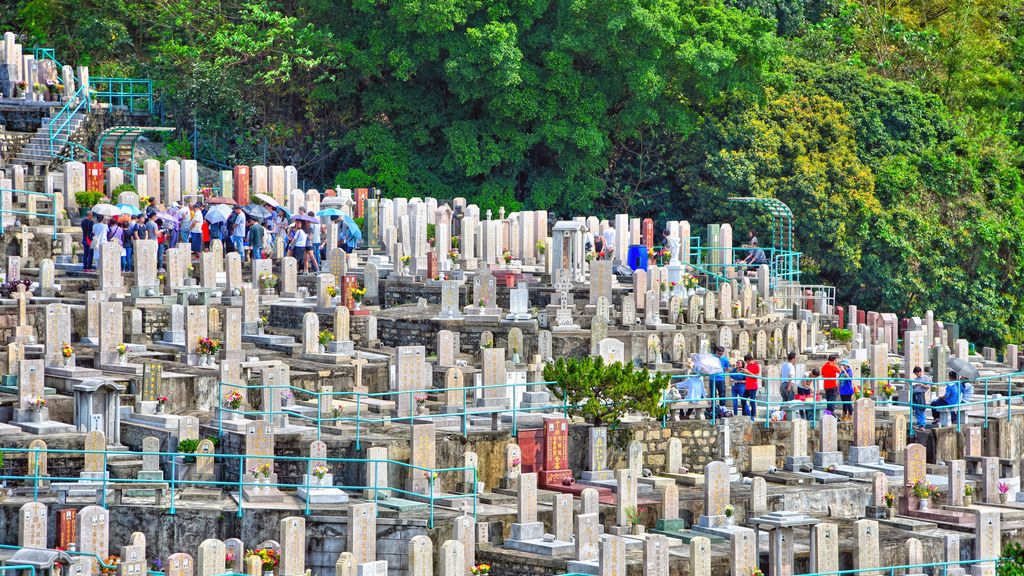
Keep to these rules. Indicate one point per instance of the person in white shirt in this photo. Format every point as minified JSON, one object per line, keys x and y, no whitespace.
{"x":299,"y":244}
{"x":195,"y":230}
{"x":788,"y":388}
{"x":99,"y":238}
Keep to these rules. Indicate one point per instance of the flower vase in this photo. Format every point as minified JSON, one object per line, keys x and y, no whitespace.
{"x":730,"y":520}
{"x":122,"y":359}
{"x":422,"y":409}
{"x":36,"y":416}
{"x":159,"y":407}
{"x":690,"y":292}
{"x":968,"y":500}
{"x":67,"y":361}
{"x":1004,"y":497}
{"x":359,"y":305}
{"x":323,"y":349}
{"x":923,"y":504}
{"x":268,"y":573}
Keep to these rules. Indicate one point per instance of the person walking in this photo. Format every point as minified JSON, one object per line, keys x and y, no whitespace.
{"x":99,"y":238}
{"x":255,"y":235}
{"x":717,"y":381}
{"x":195,"y":229}
{"x":236,"y":231}
{"x":297,"y":248}
{"x":922,"y":384}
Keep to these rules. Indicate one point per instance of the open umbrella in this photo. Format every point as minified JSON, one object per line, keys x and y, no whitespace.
{"x":218,"y":213}
{"x":129,"y":209}
{"x":256,"y":211}
{"x":963,"y":369}
{"x":106,"y":210}
{"x":268,"y":200}
{"x":167,"y":216}
{"x":221,"y":200}
{"x":353,"y":228}
{"x":706,"y":364}
{"x":330,"y":212}
{"x":305,"y":218}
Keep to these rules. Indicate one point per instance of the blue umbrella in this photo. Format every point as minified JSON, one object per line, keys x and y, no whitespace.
{"x":129,"y":209}
{"x":330,"y":212}
{"x":353,"y":228}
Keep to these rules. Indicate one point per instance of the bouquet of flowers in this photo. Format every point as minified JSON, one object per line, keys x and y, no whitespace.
{"x":268,"y":280}
{"x":67,"y":351}
{"x":480,"y":570}
{"x":268,"y":556}
{"x":320,"y":472}
{"x":209,"y":346}
{"x":453,"y":255}
{"x":332,"y":291}
{"x":122,"y":349}
{"x":161,"y":400}
{"x":233,"y":399}
{"x":923,"y":490}
{"x":358,"y":293}
{"x":325,"y":337}
{"x":690,"y":282}
{"x":263,"y":470}
{"x":405,"y":260}
{"x":263,"y":322}
{"x":37,"y":403}
{"x":888,"y":390}
{"x":506,"y":256}
{"x":541,"y":247}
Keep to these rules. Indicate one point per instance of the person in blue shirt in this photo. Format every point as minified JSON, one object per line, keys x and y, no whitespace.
{"x":739,"y":385}
{"x":846,"y":388}
{"x":691,"y":389}
{"x":951,"y":398}
{"x":717,"y":381}
{"x":922,"y":383}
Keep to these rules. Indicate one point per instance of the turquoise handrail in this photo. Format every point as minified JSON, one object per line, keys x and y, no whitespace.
{"x":61,"y":135}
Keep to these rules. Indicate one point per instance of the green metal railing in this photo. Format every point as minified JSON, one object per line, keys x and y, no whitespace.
{"x":59,"y":129}
{"x":175,"y":485}
{"x":135,"y":94}
{"x":937,"y":568}
{"x":46,"y":54}
{"x":51,"y":216}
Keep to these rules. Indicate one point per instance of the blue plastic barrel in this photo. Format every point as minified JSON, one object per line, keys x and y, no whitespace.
{"x":636,"y":257}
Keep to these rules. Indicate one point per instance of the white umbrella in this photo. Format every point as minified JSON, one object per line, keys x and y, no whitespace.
{"x":106,"y":210}
{"x":218,"y":213}
{"x":268,"y":200}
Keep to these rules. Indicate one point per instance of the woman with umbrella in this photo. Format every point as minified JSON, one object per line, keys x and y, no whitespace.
{"x":297,"y":247}
{"x":99,"y":237}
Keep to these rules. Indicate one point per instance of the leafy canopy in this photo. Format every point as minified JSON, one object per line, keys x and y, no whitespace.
{"x":604,"y":393}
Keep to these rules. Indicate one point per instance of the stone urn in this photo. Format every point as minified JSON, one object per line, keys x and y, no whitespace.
{"x":923,"y":504}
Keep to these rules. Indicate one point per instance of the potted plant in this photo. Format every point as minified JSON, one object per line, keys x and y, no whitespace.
{"x":1004,"y":492}
{"x":86,"y":200}
{"x":20,"y":89}
{"x":68,"y":353}
{"x":924,"y":493}
{"x":357,"y":296}
{"x":542,"y":247}
{"x":730,"y":515}
{"x":160,"y":402}
{"x":324,"y":338}
{"x":506,"y":255}
{"x":968,"y":495}
{"x":332,"y":292}
{"x":122,"y":353}
{"x":480,"y":570}
{"x":404,"y":261}
{"x":633,"y":519}
{"x":262,"y":323}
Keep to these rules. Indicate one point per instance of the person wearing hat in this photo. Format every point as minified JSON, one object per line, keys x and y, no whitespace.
{"x":846,"y":388}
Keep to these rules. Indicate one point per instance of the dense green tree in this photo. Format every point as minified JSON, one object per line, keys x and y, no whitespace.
{"x":603,"y":393}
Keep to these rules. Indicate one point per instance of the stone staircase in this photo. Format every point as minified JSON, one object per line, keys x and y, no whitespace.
{"x":37,"y":149}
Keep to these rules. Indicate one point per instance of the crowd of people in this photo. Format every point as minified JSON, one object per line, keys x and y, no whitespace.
{"x":734,"y":390}
{"x":302,"y":235}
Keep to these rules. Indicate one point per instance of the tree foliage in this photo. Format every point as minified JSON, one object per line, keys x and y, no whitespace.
{"x":604,"y":393}
{"x":894,"y":130}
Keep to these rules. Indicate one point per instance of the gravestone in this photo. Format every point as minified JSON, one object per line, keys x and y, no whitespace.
{"x":362,"y":532}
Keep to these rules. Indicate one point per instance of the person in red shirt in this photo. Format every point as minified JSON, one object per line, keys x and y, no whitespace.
{"x":753,"y":371}
{"x":829,"y":373}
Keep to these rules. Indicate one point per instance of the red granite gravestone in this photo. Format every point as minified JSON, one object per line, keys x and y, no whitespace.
{"x":431,"y":265}
{"x":360,"y":207}
{"x":647,"y":231}
{"x":241,"y":181}
{"x":94,"y":178}
{"x":556,"y":457}
{"x":67,"y":531}
{"x":531,"y":445}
